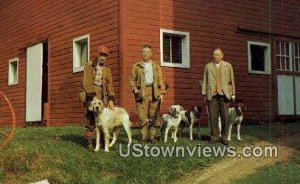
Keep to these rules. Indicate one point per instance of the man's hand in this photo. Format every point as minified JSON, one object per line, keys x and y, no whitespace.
{"x":136,"y":90}
{"x":111,"y":105}
{"x":161,"y":98}
{"x":233,"y":98}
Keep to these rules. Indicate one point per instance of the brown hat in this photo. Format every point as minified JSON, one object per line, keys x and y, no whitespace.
{"x":103,"y":49}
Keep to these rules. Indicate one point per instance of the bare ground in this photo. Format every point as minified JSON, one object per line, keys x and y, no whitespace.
{"x":228,"y":169}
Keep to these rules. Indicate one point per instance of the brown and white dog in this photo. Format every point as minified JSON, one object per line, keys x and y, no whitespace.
{"x":171,"y":121}
{"x":236,"y":115}
{"x":189,"y":118}
{"x":109,"y":120}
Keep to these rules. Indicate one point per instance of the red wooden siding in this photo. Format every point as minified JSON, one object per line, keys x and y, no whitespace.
{"x":211,"y":24}
{"x":124,"y":26}
{"x":25,"y":23}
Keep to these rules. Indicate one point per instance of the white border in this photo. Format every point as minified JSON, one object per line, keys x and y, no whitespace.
{"x":267,"y":58}
{"x":80,"y":69}
{"x":185,"y":49}
{"x":9,"y":74}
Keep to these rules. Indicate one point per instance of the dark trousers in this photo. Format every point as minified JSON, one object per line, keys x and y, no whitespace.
{"x":218,"y":106}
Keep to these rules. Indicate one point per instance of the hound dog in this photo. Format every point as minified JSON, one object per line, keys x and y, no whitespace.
{"x":171,"y":121}
{"x":189,"y":118}
{"x":109,"y":120}
{"x":236,"y":115}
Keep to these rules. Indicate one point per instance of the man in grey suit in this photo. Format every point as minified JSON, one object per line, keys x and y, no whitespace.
{"x":218,"y":89}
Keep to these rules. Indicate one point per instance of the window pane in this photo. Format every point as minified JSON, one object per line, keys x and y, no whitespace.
{"x":297,"y":64}
{"x":279,"y":60}
{"x":257,"y":57}
{"x":278,"y":48}
{"x":297,"y":50}
{"x":287,"y":62}
{"x":287,"y":49}
{"x":84,"y":53}
{"x":282,"y":48}
{"x":176,"y":50}
{"x":166,"y":49}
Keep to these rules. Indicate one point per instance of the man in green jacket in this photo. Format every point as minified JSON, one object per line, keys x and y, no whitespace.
{"x":96,"y":82}
{"x":147,"y":84}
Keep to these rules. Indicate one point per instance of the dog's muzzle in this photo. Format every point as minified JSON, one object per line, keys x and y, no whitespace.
{"x":97,"y":109}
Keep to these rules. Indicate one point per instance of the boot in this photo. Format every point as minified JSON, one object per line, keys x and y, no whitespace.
{"x":152,"y":132}
{"x":144,"y":133}
{"x":89,"y":144}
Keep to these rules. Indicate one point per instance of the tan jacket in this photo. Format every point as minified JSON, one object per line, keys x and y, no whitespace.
{"x":106,"y":92}
{"x":209,"y":87}
{"x":137,"y":79}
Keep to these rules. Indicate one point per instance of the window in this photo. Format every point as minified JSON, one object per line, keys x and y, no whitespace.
{"x":259,"y":58}
{"x":174,"y":48}
{"x":284,"y":56}
{"x":13,"y":71}
{"x":297,"y":56}
{"x":81,"y":50}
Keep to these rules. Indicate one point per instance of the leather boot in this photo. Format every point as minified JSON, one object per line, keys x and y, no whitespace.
{"x":89,"y":144}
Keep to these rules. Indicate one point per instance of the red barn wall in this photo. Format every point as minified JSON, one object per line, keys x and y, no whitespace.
{"x":25,"y":23}
{"x":124,"y":26}
{"x":211,"y":24}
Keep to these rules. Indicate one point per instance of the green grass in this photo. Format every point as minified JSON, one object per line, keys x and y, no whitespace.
{"x":280,"y":173}
{"x":57,"y":154}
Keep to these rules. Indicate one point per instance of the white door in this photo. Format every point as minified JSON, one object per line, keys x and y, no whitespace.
{"x":285,"y":94}
{"x":34,"y":60}
{"x":297,"y":87}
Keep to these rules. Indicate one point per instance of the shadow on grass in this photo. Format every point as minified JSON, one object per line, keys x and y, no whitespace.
{"x":74,"y":138}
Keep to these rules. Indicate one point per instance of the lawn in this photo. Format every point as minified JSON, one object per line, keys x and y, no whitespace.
{"x":57,"y":154}
{"x":280,"y":173}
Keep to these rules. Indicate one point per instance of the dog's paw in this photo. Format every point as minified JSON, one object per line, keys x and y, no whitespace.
{"x":240,"y":139}
{"x":96,"y":149}
{"x":106,"y":150}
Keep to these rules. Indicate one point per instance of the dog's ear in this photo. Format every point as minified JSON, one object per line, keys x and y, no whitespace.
{"x":171,"y":109}
{"x":102,"y":105}
{"x":199,"y":108}
{"x":90,"y":106}
{"x":244,"y":108}
{"x":181,"y":108}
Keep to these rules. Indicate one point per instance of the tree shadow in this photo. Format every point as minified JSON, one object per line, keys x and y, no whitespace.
{"x":74,"y":138}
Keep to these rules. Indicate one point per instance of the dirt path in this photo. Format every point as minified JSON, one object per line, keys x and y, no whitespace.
{"x":228,"y":169}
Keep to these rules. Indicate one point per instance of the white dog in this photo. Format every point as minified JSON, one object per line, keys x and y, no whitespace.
{"x":235,"y":118}
{"x":171,"y":121}
{"x":109,"y":120}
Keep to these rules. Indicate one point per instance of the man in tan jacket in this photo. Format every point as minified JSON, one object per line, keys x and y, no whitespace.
{"x":96,"y":82}
{"x":218,"y":89}
{"x":148,"y":86}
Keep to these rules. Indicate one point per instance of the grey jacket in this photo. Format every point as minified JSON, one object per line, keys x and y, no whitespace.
{"x":209,"y":87}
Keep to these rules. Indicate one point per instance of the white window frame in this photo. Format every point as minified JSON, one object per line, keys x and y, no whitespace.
{"x":281,"y":54}
{"x":185,"y":48}
{"x":76,"y":65}
{"x":296,"y":48}
{"x":10,"y":74}
{"x":267,"y":58}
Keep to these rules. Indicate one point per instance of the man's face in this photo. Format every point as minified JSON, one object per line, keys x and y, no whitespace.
{"x":102,"y":57}
{"x":146,"y":53}
{"x":218,"y":56}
